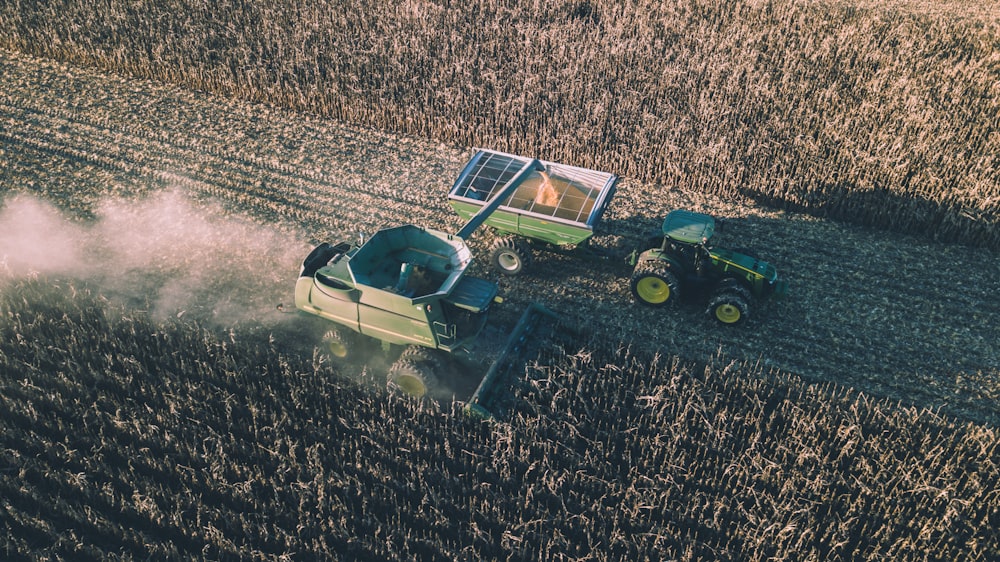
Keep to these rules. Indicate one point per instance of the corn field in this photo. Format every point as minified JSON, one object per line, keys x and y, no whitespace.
{"x":884,"y":115}
{"x":155,"y":405}
{"x":126,"y":439}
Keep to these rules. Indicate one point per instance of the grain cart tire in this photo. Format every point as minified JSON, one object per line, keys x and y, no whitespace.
{"x":511,"y":255}
{"x":340,"y":345}
{"x":412,"y":378}
{"x":729,"y":308}
{"x":653,"y":284}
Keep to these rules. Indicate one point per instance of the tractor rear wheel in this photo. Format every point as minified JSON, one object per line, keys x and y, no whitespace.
{"x":732,"y":285}
{"x":654,"y":284}
{"x":729,"y":308}
{"x":511,"y":255}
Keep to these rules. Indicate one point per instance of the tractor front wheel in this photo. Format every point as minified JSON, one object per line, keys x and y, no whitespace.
{"x":729,"y":308}
{"x":511,"y":255}
{"x":654,"y":284}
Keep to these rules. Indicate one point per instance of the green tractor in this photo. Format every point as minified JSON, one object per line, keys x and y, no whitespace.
{"x":681,"y":260}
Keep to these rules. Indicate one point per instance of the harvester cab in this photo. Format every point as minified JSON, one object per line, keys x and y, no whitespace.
{"x":683,"y":260}
{"x":407,"y":288}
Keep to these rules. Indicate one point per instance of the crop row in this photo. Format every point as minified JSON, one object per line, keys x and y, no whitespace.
{"x":125,"y":439}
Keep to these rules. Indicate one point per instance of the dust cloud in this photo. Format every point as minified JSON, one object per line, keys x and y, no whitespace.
{"x":168,"y":254}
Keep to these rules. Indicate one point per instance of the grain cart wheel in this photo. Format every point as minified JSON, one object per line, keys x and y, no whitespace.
{"x":511,"y":255}
{"x":412,"y":378}
{"x":339,"y":344}
{"x":729,"y":308}
{"x":654,"y":284}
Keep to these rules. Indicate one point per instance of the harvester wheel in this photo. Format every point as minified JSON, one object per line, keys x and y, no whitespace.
{"x":654,"y":284}
{"x":339,"y":344}
{"x":729,"y":308}
{"x":422,"y":356}
{"x":511,"y":255}
{"x":412,"y":378}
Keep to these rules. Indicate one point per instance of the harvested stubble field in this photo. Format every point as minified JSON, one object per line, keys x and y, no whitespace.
{"x":154,"y":404}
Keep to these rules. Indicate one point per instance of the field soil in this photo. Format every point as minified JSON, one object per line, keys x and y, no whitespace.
{"x":892,"y":316}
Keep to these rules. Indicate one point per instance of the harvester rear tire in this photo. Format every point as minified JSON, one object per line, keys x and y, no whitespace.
{"x":729,"y":308}
{"x":412,"y":378}
{"x":653,"y":284}
{"x":511,"y":255}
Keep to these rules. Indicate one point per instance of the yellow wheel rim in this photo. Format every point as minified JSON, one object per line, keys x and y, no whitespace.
{"x":653,"y":290}
{"x":727,"y":313}
{"x":411,"y":385}
{"x":338,"y":349}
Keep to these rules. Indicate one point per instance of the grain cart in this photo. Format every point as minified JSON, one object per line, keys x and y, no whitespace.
{"x":407,"y":288}
{"x":556,"y":210}
{"x":683,"y":260}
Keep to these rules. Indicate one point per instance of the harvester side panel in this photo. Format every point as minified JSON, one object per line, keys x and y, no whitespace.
{"x":337,"y":305}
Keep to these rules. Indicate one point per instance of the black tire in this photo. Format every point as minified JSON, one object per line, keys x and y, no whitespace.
{"x":340,"y":343}
{"x":511,"y":255}
{"x":422,"y":356}
{"x":732,"y":285}
{"x":653,"y":284}
{"x":412,"y":378}
{"x":729,"y":308}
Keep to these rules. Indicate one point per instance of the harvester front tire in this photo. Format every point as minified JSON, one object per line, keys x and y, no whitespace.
{"x":653,"y":284}
{"x":339,"y":344}
{"x":412,"y":378}
{"x":729,"y":308}
{"x":511,"y":255}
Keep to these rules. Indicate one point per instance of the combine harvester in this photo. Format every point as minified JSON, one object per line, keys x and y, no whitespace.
{"x":407,"y":287}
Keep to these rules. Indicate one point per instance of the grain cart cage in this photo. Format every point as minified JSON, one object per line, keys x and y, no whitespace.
{"x":554,"y":209}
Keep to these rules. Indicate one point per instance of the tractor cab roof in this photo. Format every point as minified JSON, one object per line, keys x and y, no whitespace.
{"x":688,"y":227}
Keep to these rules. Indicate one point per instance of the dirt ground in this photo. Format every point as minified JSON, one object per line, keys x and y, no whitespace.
{"x":898,"y":317}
